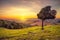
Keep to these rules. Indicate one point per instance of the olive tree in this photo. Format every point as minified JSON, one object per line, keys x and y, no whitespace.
{"x":46,"y":13}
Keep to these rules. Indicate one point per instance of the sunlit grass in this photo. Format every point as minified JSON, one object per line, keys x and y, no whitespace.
{"x":51,"y":32}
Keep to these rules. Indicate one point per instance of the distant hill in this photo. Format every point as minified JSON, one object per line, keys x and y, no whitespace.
{"x":11,"y":24}
{"x":37,"y":22}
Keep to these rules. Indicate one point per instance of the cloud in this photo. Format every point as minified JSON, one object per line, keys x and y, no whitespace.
{"x":32,"y":5}
{"x":29,"y":3}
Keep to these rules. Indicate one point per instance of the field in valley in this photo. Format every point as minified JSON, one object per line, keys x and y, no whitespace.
{"x":51,"y":32}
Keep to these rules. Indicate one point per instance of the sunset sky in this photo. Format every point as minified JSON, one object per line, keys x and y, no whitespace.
{"x":24,"y":9}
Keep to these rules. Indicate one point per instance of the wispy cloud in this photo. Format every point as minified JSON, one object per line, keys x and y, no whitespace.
{"x":32,"y":7}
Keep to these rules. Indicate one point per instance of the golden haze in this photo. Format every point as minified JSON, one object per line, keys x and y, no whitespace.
{"x":20,"y":13}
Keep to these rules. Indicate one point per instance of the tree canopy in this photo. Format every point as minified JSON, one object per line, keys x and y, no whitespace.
{"x":46,"y":13}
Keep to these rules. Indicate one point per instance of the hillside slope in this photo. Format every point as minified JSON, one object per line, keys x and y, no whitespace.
{"x":51,"y":32}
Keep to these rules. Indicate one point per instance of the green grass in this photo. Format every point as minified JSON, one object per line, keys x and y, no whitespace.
{"x":51,"y":32}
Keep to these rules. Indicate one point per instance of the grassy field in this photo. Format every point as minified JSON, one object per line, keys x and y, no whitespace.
{"x":51,"y":32}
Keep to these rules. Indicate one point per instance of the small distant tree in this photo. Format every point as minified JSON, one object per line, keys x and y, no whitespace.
{"x":46,"y":13}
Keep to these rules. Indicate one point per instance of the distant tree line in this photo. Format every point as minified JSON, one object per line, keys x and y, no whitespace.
{"x":12,"y":24}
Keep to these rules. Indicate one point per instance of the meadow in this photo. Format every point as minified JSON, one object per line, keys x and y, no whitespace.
{"x":50,"y":32}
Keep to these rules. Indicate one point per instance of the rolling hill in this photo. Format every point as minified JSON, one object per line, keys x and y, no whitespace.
{"x":51,"y":32}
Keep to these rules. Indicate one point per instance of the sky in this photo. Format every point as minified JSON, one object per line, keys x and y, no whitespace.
{"x":24,"y":9}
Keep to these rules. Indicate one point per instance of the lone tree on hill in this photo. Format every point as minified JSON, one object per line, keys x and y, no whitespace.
{"x":46,"y":13}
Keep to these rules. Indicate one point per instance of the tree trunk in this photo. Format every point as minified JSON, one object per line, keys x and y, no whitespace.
{"x":42,"y":24}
